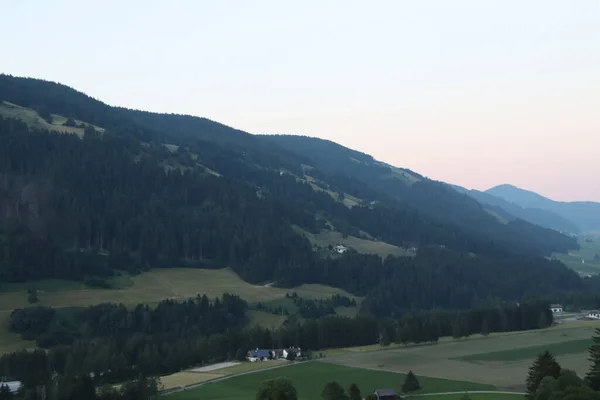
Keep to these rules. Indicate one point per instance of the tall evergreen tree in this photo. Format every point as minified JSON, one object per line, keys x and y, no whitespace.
{"x":333,"y":391}
{"x":277,"y":389}
{"x":593,"y":375}
{"x":543,"y":321}
{"x":354,"y":392}
{"x":485,"y":328}
{"x":544,"y":365}
{"x":411,"y":383}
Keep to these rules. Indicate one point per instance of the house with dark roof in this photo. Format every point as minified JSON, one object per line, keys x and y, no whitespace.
{"x":386,"y":394}
{"x":556,"y":308}
{"x":260,"y":355}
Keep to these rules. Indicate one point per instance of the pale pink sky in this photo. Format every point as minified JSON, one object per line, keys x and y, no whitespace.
{"x":475,"y":93}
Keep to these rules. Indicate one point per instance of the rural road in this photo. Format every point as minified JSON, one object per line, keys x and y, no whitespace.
{"x":468,"y":392}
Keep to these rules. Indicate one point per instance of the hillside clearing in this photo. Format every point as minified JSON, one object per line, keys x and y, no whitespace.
{"x":35,"y":121}
{"x":326,"y":238}
{"x":583,"y":261}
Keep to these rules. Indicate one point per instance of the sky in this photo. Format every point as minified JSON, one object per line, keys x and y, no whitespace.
{"x":475,"y":93}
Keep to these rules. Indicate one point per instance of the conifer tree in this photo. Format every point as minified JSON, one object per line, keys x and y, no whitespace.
{"x":411,"y":383}
{"x":593,"y":375}
{"x":354,"y":392}
{"x":544,"y":365}
{"x":485,"y":329}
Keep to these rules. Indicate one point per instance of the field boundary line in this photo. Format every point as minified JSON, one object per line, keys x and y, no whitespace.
{"x":468,"y":392}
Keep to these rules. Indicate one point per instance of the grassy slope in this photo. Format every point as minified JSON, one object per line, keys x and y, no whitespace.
{"x":587,"y":252}
{"x":310,"y":378}
{"x":326,"y":238}
{"x":34,"y":120}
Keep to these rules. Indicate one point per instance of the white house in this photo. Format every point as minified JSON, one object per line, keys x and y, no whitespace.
{"x":340,"y":249}
{"x":292,"y":350}
{"x":556,"y":308}
{"x":594,"y":314}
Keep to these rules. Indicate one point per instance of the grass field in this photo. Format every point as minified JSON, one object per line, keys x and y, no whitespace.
{"x":558,"y":349}
{"x":310,"y":378}
{"x":327,"y":237}
{"x":496,"y":360}
{"x":590,"y":246}
{"x":150,"y":287}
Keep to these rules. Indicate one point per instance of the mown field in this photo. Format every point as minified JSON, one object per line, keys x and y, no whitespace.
{"x":310,"y":378}
{"x":366,"y":246}
{"x":501,"y":360}
{"x":583,"y":261}
{"x":527,"y":353}
{"x":149,"y":287}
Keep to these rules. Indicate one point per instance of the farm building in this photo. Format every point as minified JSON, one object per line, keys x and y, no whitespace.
{"x":594,"y":314}
{"x":556,"y":308}
{"x":386,"y":394}
{"x":13,"y":386}
{"x":296,"y":351}
{"x":259,"y":355}
{"x":340,"y":249}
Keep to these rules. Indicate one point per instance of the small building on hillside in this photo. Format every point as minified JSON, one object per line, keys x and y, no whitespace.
{"x":593,"y":314}
{"x":13,"y":386}
{"x":340,"y":249}
{"x":259,"y":355}
{"x":556,"y":308}
{"x":386,"y":394}
{"x":293,"y":350}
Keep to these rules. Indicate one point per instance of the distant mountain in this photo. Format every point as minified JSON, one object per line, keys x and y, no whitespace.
{"x":509,"y":211}
{"x":584,"y":214}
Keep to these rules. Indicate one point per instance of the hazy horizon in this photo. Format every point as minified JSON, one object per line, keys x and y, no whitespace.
{"x":471,"y":93}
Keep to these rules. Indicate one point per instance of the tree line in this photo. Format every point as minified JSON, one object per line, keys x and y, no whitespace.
{"x":110,"y":343}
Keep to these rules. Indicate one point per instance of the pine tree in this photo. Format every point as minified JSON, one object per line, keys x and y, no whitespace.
{"x":333,"y":391}
{"x":411,"y":383}
{"x":544,"y":365}
{"x":593,"y":375}
{"x":543,"y":321}
{"x":485,"y":329}
{"x":354,"y":392}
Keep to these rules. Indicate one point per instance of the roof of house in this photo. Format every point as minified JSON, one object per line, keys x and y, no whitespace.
{"x":385,"y":392}
{"x":13,"y":386}
{"x":593,"y":312}
{"x":555,"y":306}
{"x":260,"y":353}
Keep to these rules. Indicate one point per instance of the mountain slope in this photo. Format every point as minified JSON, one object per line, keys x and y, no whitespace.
{"x":536,"y":216}
{"x":429,"y":197}
{"x":585,"y":214}
{"x":154,"y":190}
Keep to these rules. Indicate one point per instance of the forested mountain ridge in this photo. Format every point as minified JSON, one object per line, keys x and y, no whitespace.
{"x":509,"y":211}
{"x":432,"y":198}
{"x":156,"y":190}
{"x":585,"y":214}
